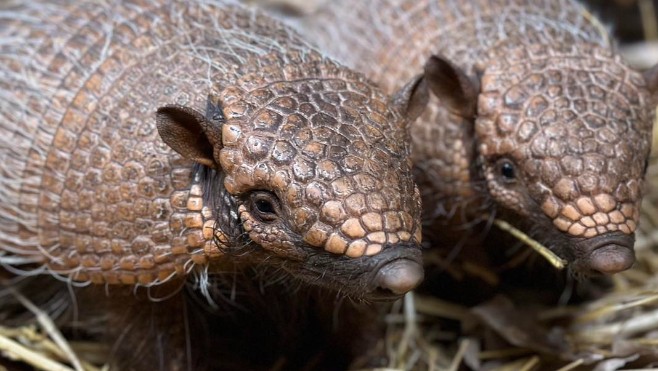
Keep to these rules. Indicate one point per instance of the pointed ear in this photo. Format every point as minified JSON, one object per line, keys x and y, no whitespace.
{"x":412,"y":99}
{"x":191,"y":134}
{"x":456,"y":91}
{"x":651,"y":78}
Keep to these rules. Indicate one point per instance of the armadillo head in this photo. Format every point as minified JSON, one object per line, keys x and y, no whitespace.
{"x":317,"y":160}
{"x":563,"y":138}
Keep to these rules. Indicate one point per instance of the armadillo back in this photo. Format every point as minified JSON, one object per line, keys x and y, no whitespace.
{"x":390,"y":40}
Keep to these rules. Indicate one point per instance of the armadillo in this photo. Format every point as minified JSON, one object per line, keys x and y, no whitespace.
{"x":304,"y":158}
{"x":147,"y":140}
{"x":538,"y":121}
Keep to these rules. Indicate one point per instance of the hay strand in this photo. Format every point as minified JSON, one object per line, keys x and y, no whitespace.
{"x":555,"y":260}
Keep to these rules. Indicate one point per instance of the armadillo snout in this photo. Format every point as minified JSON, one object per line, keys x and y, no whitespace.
{"x":393,"y":272}
{"x":399,"y":276}
{"x":610,"y":253}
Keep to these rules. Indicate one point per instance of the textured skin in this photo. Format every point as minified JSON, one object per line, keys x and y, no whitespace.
{"x":554,"y":101}
{"x":90,"y":191}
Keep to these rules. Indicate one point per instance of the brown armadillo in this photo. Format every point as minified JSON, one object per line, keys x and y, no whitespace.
{"x":302,"y":166}
{"x":538,"y":121}
{"x":305,"y":159}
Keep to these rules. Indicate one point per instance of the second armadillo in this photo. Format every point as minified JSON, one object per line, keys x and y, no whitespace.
{"x":538,"y":121}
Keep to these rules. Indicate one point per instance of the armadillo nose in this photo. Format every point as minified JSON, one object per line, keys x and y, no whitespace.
{"x":399,"y":276}
{"x":611,"y":259}
{"x":611,"y":252}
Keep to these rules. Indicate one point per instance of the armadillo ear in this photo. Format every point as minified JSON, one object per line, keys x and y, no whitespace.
{"x":456,"y":91}
{"x":412,"y":99}
{"x":651,"y":78}
{"x":191,"y":134}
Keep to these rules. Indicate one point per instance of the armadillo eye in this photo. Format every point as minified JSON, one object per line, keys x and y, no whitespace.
{"x":507,"y":170}
{"x":265,"y":205}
